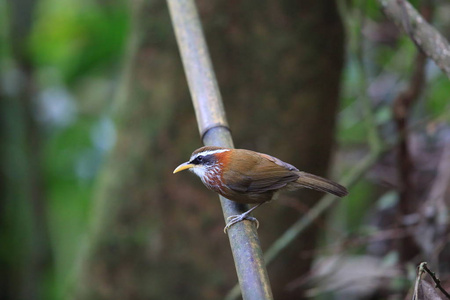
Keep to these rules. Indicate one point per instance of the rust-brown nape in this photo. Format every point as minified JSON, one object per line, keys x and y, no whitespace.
{"x":223,"y":158}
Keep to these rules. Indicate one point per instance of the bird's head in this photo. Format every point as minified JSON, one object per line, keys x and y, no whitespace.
{"x":205,"y":161}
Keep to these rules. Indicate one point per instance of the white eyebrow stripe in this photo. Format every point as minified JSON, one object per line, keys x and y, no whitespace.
{"x":209,"y":152}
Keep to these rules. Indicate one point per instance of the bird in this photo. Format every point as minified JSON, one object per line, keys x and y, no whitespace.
{"x":250,"y":177}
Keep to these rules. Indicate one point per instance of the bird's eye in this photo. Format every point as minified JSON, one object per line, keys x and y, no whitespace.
{"x":197,"y":160}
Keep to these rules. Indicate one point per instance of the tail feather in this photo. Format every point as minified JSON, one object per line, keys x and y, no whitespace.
{"x":318,"y":183}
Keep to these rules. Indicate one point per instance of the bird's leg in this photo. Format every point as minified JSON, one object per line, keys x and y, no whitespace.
{"x":231,"y":220}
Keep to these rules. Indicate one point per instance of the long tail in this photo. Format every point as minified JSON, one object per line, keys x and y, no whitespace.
{"x":318,"y":183}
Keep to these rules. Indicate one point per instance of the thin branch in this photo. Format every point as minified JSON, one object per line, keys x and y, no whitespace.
{"x":401,"y":108}
{"x":425,"y":36}
{"x":406,"y":22}
{"x":435,"y":279}
{"x":422,"y":269}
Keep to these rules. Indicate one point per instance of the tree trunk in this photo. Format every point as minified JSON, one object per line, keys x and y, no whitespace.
{"x":159,"y":235}
{"x":279,"y":68}
{"x":27,"y":258}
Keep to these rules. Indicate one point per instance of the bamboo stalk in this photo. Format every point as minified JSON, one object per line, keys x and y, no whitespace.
{"x":213,"y":127}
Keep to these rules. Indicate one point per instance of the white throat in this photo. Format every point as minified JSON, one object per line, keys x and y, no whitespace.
{"x":199,"y":170}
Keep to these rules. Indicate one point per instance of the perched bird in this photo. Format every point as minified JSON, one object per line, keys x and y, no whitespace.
{"x":250,"y":177}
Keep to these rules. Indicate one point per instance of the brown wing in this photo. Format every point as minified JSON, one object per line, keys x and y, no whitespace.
{"x":258,"y":173}
{"x":279,"y":162}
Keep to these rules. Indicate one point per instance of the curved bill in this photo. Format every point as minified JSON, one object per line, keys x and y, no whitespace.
{"x":183,"y":166}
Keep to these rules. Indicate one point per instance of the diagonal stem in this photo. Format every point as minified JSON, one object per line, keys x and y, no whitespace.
{"x":247,"y":253}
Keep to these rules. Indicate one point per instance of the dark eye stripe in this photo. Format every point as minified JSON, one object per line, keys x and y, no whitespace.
{"x":204,"y":160}
{"x":197,"y":160}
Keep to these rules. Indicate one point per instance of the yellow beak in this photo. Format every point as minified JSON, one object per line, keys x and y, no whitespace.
{"x":183,"y":166}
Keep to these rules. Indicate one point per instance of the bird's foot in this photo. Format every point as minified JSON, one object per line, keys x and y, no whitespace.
{"x":231,"y":220}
